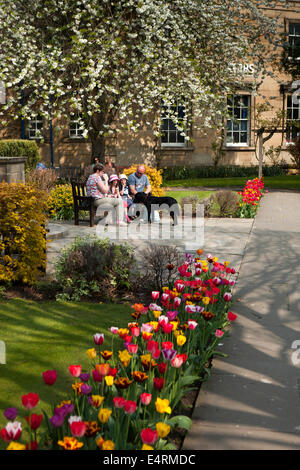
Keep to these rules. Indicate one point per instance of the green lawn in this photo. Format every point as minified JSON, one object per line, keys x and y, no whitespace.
{"x":178,"y":195}
{"x":49,"y":335}
{"x":271,"y":182}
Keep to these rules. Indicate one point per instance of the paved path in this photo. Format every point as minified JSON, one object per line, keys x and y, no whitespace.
{"x":252,"y":400}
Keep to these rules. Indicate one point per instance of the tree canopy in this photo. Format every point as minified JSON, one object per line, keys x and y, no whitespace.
{"x":112,"y":62}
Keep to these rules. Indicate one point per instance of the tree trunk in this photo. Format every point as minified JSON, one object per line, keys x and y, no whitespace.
{"x":98,"y":146}
{"x":260,"y":155}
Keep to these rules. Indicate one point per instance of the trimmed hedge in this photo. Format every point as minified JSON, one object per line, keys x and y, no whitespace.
{"x":181,"y":173}
{"x":21,"y":148}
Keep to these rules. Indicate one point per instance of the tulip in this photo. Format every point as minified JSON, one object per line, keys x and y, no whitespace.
{"x":231,"y":316}
{"x":162,"y":429}
{"x":219,"y":333}
{"x":75,"y":371}
{"x":84,"y":377}
{"x":85,"y":389}
{"x":78,"y":428}
{"x":119,"y":402}
{"x":167,"y":328}
{"x":172,"y":314}
{"x":97,"y":377}
{"x":114,"y":330}
{"x":91,"y":353}
{"x":155,"y":295}
{"x":192,"y":324}
{"x":132,"y":348}
{"x":169,"y":354}
{"x":104,"y":415}
{"x":109,"y":380}
{"x":158,"y":383}
{"x":164,"y":297}
{"x":135,"y":331}
{"x":12,"y":431}
{"x":162,"y":367}
{"x":177,"y":302}
{"x":11,"y":413}
{"x":97,"y":400}
{"x":35,"y":420}
{"x":108,"y":445}
{"x":49,"y":377}
{"x":179,"y":286}
{"x":103,"y":369}
{"x":167,"y":345}
{"x":149,"y":436}
{"x":145,"y":398}
{"x":177,"y":361}
{"x":152,"y":346}
{"x":30,"y":400}
{"x":156,"y":354}
{"x":227,"y":297}
{"x":130,"y":407}
{"x":57,"y":420}
{"x":98,"y":339}
{"x":16,"y":446}
{"x":162,"y":406}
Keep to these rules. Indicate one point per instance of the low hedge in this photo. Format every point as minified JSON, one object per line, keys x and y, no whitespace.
{"x":21,"y":148}
{"x":181,"y":173}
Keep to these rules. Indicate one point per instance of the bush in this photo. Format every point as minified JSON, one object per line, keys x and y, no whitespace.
{"x":22,"y":229}
{"x":92,"y":267}
{"x":181,"y":173}
{"x":192,"y":201}
{"x":60,"y":202}
{"x":42,"y":179}
{"x":294,"y":151}
{"x":21,"y":148}
{"x":224,"y":204}
{"x":154,"y":176}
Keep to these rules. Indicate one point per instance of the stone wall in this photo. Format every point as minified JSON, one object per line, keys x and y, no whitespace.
{"x":12,"y":169}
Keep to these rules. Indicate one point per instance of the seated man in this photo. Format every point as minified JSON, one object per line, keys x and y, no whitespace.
{"x":138,"y":181}
{"x":97,"y":187}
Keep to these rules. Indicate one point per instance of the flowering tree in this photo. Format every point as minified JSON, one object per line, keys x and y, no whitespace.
{"x":111,"y":62}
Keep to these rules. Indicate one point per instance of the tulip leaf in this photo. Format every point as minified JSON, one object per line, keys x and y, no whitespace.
{"x":180,"y":421}
{"x":188,"y":379}
{"x":169,"y":446}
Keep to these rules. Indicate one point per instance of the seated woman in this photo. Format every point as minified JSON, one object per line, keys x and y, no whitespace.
{"x":98,"y":188}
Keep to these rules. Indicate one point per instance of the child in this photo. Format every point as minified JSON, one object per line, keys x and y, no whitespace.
{"x":124,"y":190}
{"x":114,"y":192}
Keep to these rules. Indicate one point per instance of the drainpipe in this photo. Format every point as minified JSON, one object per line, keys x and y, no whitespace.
{"x":22,"y":120}
{"x":51,"y":135}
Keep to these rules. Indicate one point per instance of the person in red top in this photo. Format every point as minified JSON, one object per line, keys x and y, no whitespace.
{"x":98,"y":188}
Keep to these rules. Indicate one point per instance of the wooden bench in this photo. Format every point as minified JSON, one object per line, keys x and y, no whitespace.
{"x":82,"y":202}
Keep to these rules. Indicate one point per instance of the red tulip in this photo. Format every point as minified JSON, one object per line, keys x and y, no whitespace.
{"x":177,"y":361}
{"x":132,"y":348}
{"x":156,"y":354}
{"x":167,"y":345}
{"x":98,"y":338}
{"x":146,"y":398}
{"x":35,"y":420}
{"x":177,"y":302}
{"x":75,"y":371}
{"x":11,"y":432}
{"x":33,"y":445}
{"x":219,"y":333}
{"x":158,"y":383}
{"x":149,"y":436}
{"x":130,"y":407}
{"x":231,"y":316}
{"x":97,"y":377}
{"x":119,"y":402}
{"x":49,"y":377}
{"x":162,"y":367}
{"x":30,"y":400}
{"x":227,"y":297}
{"x":152,"y":346}
{"x":167,"y":327}
{"x":135,"y":331}
{"x":78,"y":428}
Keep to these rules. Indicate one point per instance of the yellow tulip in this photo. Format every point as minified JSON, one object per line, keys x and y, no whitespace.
{"x":125,"y":357}
{"x":146,"y":447}
{"x":162,"y":406}
{"x":91,"y":353}
{"x":162,"y":429}
{"x":104,"y":415}
{"x":109,"y":379}
{"x":15,"y":446}
{"x":97,"y":400}
{"x":205,"y":300}
{"x":108,"y":445}
{"x":181,"y":340}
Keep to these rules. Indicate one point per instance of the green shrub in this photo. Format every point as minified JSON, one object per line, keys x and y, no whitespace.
{"x":23,"y":235}
{"x":181,"y":173}
{"x":92,"y":267}
{"x":21,"y":148}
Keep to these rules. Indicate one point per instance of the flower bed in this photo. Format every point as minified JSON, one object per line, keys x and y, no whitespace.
{"x":130,"y":398}
{"x":250,"y":197}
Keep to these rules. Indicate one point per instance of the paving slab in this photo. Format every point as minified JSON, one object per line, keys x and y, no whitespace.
{"x":252,"y":398}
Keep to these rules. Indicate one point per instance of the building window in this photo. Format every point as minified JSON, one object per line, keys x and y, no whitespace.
{"x":75,"y":128}
{"x":35,"y":127}
{"x":238,"y":120}
{"x":294,"y":41}
{"x":292,"y":116}
{"x":170,"y":134}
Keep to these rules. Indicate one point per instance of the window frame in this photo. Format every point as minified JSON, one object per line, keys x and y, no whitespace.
{"x":177,"y":132}
{"x":290,"y":46}
{"x":292,"y":107}
{"x":74,"y":119}
{"x":36,"y":121}
{"x":233,"y":119}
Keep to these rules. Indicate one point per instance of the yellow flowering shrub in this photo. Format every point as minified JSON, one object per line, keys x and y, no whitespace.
{"x":60,"y":202}
{"x":154,"y":176}
{"x":22,"y":232}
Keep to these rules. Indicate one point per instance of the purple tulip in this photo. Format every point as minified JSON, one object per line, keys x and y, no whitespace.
{"x":168,"y":354}
{"x":57,"y":420}
{"x":10,"y":413}
{"x":85,"y":389}
{"x":84,"y":377}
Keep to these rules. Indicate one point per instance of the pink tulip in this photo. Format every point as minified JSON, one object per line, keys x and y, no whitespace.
{"x":75,"y":371}
{"x":155,"y":295}
{"x":219,"y":333}
{"x":145,"y":398}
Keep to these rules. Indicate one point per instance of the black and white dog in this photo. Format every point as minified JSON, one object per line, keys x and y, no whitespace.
{"x":165,"y":202}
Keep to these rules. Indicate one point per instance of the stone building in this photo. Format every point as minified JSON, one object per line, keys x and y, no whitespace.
{"x":69,"y":148}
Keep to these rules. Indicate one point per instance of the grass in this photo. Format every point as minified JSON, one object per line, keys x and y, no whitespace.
{"x":41,"y":336}
{"x":271,"y":182}
{"x":178,"y":195}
